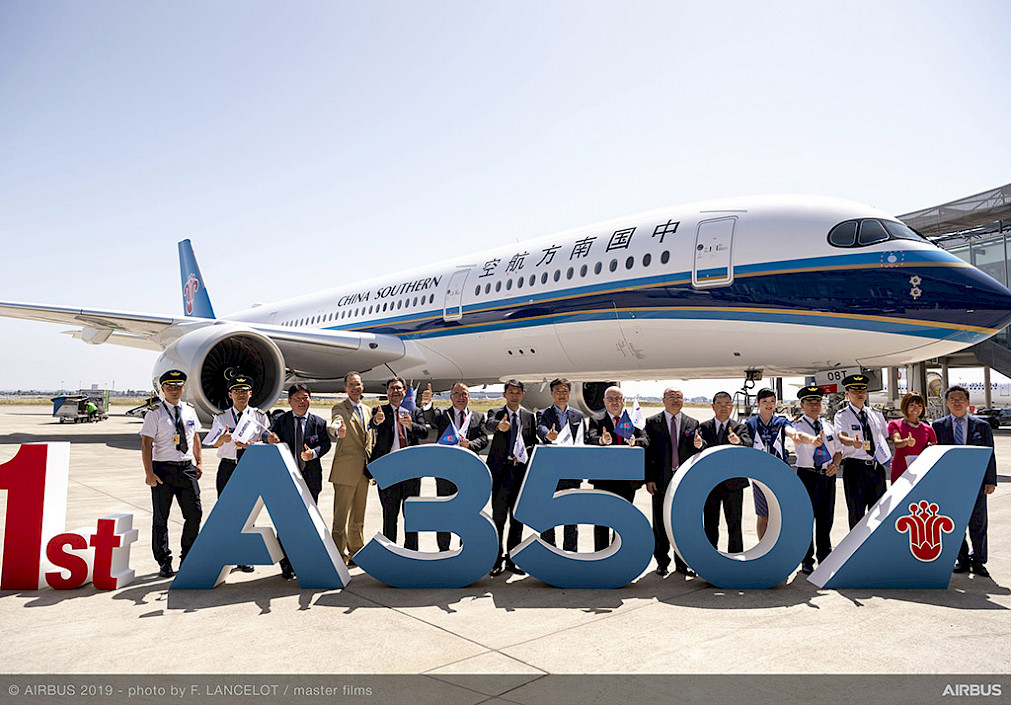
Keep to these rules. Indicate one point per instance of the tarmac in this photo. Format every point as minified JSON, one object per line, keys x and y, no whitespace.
{"x":503,"y":627}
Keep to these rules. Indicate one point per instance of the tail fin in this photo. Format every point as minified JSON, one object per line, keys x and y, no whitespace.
{"x":196,"y":302}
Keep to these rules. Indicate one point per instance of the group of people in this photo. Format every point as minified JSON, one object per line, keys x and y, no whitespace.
{"x":856,"y":441}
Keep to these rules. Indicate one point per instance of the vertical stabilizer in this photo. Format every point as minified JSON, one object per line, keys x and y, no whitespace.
{"x":196,"y":302}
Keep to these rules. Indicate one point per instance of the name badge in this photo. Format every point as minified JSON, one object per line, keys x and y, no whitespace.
{"x":867,"y":446}
{"x":175,"y":440}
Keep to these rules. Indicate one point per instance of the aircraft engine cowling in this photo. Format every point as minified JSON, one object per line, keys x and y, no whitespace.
{"x":588,"y":397}
{"x":213,"y":355}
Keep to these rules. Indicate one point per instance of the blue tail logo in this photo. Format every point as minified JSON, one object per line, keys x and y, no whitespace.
{"x":196,"y":302}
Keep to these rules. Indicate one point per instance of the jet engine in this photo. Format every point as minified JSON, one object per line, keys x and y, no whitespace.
{"x":212,"y":356}
{"x":588,"y":397}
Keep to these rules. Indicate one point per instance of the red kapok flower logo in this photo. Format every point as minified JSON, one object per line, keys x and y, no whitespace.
{"x":925,"y":526}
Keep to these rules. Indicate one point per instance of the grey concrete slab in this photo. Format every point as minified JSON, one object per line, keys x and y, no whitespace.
{"x":508,"y":625}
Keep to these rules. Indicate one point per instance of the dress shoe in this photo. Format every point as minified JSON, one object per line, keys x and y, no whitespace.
{"x":496,"y":569}
{"x":980,"y":569}
{"x":807,"y":568}
{"x":514,"y":569}
{"x":245,"y":568}
{"x":960,"y":566}
{"x":352,"y":564}
{"x":685,"y":571}
{"x":287,"y":572}
{"x":662,"y":571}
{"x":166,"y":571}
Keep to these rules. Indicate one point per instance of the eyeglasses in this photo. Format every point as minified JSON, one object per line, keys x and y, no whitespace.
{"x":614,"y":398}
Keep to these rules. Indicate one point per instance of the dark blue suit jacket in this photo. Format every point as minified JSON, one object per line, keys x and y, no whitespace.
{"x":315,"y":436}
{"x":978,"y":434}
{"x":546,"y":418}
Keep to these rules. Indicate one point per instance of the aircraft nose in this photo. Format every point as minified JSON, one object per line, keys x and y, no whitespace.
{"x":988,"y":302}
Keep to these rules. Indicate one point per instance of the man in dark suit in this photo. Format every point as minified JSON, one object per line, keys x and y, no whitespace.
{"x":720,"y":431}
{"x":561,"y":423}
{"x":959,"y":428}
{"x":514,"y":435}
{"x":469,"y":425}
{"x":601,"y":432}
{"x":306,"y":436}
{"x":664,"y":455}
{"x":397,"y":428}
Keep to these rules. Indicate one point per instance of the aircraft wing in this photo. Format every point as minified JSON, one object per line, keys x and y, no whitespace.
{"x":315,"y":353}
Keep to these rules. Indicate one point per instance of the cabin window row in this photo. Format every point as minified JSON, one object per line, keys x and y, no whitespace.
{"x":361,"y":311}
{"x":570,"y":273}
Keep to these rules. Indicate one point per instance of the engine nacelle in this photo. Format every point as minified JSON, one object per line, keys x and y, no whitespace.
{"x":588,"y":397}
{"x":212,"y":356}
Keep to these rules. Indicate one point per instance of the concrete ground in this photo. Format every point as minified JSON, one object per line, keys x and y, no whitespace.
{"x":259,"y":623}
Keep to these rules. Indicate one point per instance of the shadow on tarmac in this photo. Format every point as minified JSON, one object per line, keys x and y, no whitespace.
{"x":966,"y":592}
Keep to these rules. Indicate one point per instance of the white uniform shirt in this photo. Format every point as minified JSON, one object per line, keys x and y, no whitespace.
{"x":160,"y":425}
{"x":229,"y":421}
{"x":805,"y":451}
{"x":847,"y":421}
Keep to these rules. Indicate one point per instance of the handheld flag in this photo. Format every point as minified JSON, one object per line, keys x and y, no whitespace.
{"x":519,"y":448}
{"x":564,"y":436}
{"x":408,"y":403}
{"x":624,"y":427}
{"x":638,"y":419}
{"x":450,"y":437}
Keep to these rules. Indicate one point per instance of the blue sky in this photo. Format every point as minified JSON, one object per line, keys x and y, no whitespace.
{"x":300,"y":145}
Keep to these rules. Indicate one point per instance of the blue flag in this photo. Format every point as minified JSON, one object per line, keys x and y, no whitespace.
{"x":625,"y":427}
{"x":450,"y":437}
{"x":408,"y":403}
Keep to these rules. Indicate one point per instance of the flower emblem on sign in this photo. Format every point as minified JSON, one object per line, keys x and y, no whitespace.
{"x":925,"y":527}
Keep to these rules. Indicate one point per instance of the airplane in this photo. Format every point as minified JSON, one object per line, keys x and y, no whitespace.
{"x":788,"y":285}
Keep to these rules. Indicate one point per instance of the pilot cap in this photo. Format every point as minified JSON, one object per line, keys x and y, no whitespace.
{"x":173,"y":377}
{"x":241,"y":383}
{"x":812,"y":391}
{"x":857,"y":383}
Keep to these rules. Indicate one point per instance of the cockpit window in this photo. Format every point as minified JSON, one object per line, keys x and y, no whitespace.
{"x":844,"y":234}
{"x":869,"y":231}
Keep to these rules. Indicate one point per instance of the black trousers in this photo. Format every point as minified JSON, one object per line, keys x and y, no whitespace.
{"x":624,"y":489}
{"x":977,"y":533}
{"x":443,"y":488}
{"x":863,"y":484}
{"x":226,"y":467}
{"x":506,"y":481}
{"x":661,"y":544}
{"x":179,"y":482}
{"x":570,"y":535}
{"x":392,"y":498}
{"x":732,"y":502}
{"x":821,"y":490}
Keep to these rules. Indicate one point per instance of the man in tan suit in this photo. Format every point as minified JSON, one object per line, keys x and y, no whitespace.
{"x":350,"y":428}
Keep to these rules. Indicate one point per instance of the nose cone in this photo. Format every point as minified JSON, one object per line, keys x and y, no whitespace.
{"x":987,"y":301}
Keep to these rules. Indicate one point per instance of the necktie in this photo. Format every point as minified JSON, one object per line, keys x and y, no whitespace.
{"x":361,"y":416}
{"x":618,"y":440}
{"x":868,"y":436}
{"x":513,"y":431}
{"x":182,"y":446}
{"x":721,"y":435}
{"x":959,"y":432}
{"x":299,"y":442}
{"x":674,"y":460}
{"x":460,"y":425}
{"x":401,"y":434}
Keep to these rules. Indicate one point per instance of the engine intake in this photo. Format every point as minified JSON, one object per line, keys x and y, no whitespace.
{"x":214,"y":355}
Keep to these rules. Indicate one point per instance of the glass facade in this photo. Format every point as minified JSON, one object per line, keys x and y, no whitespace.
{"x":989,"y":256}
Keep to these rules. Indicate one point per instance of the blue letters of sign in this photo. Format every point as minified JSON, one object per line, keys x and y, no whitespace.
{"x":791,"y":518}
{"x":911,"y":537}
{"x":266,"y":475}
{"x":460,"y":514}
{"x":540,"y":508}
